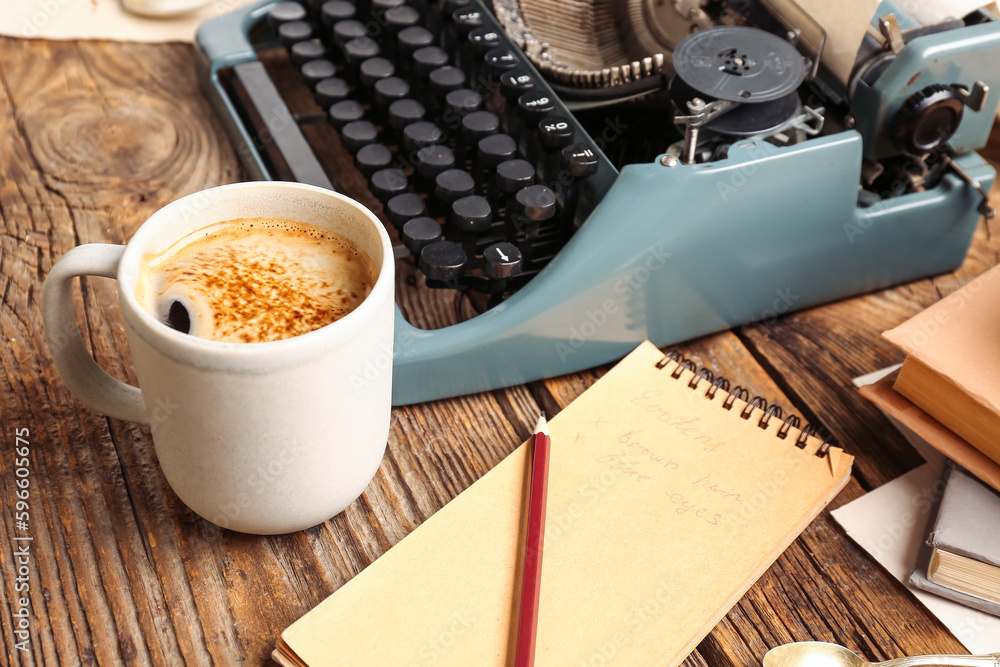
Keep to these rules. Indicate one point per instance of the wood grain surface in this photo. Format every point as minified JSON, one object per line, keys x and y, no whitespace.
{"x":96,"y":136}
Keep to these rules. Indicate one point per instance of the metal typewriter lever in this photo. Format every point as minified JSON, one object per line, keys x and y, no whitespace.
{"x":975,"y":99}
{"x":985,"y":208}
{"x":700,"y":114}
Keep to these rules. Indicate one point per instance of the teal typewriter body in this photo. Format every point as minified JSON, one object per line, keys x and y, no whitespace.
{"x":693,"y":240}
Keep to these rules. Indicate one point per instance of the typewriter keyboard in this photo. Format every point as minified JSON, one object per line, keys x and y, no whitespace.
{"x":477,"y":165}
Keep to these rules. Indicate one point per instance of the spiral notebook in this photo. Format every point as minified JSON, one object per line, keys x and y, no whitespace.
{"x":670,"y":493}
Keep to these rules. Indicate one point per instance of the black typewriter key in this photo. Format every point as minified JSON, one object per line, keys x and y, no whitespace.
{"x":464,"y":20}
{"x":475,"y":126}
{"x":285,"y":12}
{"x":431,"y":161}
{"x":531,"y":208}
{"x":343,"y":112}
{"x":480,"y":41}
{"x":315,"y":71}
{"x":302,"y":52}
{"x":401,"y":114}
{"x":457,"y":105}
{"x":397,"y":20}
{"x":358,"y":134}
{"x":578,"y":162}
{"x":443,"y":261}
{"x":371,"y":72}
{"x":387,"y":91}
{"x":555,"y":132}
{"x":380,"y":7}
{"x":450,"y":185}
{"x":420,"y":232}
{"x":502,"y":260}
{"x":387,"y":183}
{"x":424,"y":61}
{"x":356,"y":52}
{"x":344,"y":32}
{"x":404,"y":207}
{"x":335,"y":11}
{"x":497,"y":61}
{"x":470,"y":215}
{"x":440,"y":82}
{"x":534,"y":106}
{"x":421,"y":134}
{"x":513,"y":84}
{"x":409,"y":40}
{"x":492,"y":150}
{"x":512,"y":177}
{"x":372,"y":158}
{"x":293,"y":32}
{"x":331,"y":90}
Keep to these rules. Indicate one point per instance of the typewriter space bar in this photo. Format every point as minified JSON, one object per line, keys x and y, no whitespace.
{"x":274,"y":128}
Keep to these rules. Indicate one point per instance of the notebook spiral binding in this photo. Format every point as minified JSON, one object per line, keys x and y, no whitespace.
{"x":770,"y":411}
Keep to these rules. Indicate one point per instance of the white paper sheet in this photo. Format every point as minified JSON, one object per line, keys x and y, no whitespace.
{"x":104,"y":19}
{"x":890,"y":523}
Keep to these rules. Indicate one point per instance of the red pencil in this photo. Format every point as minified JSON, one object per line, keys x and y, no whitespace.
{"x":532,"y":578}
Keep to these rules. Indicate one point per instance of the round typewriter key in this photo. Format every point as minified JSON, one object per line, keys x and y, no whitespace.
{"x":515,"y":83}
{"x":360,"y":49}
{"x":357,"y":134}
{"x":315,"y":71}
{"x":514,"y":175}
{"x":452,"y":184}
{"x":344,"y":112}
{"x":460,"y":103}
{"x":495,"y":149}
{"x":443,"y":260}
{"x":535,"y":202}
{"x":302,"y":52}
{"x":345,"y":31}
{"x":499,"y":60}
{"x":465,"y":20}
{"x":388,"y":90}
{"x":471,"y":215}
{"x":404,"y":207}
{"x":400,"y":18}
{"x":445,"y":79}
{"x":409,"y":40}
{"x":428,"y":59}
{"x":372,"y":158}
{"x":403,"y":113}
{"x":374,"y":70}
{"x":421,"y":134}
{"x":380,"y":7}
{"x":419,"y":232}
{"x":502,"y":260}
{"x":478,"y":125}
{"x":580,"y":160}
{"x":331,"y":90}
{"x":482,"y":40}
{"x":334,"y":11}
{"x":285,"y":12}
{"x":294,"y":32}
{"x":534,"y":106}
{"x":432,"y":160}
{"x":387,"y":183}
{"x":555,"y":132}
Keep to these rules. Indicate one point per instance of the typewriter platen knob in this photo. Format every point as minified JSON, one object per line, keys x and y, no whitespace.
{"x":443,"y":260}
{"x":927,"y":119}
{"x":502,"y":260}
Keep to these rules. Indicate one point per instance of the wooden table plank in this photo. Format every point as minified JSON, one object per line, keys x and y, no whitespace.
{"x":96,"y":136}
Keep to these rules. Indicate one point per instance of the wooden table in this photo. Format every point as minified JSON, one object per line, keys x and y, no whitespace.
{"x":94,"y":137}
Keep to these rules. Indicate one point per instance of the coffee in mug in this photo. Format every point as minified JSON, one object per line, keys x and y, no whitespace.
{"x":255,"y":280}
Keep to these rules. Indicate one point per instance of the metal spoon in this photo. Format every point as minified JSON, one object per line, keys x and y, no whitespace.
{"x":822,"y":654}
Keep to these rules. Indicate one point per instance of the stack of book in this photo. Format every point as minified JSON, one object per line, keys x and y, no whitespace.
{"x":948,"y":392}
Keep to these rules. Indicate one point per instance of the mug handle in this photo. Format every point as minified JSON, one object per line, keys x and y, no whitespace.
{"x":88,"y":381}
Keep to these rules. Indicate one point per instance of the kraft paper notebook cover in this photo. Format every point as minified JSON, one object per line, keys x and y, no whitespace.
{"x":664,"y":507}
{"x":952,"y":362}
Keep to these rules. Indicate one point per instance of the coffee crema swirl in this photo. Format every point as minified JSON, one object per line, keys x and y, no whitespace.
{"x":254,"y":280}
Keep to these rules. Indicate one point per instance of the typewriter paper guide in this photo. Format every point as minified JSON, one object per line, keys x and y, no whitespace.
{"x":663,"y":509}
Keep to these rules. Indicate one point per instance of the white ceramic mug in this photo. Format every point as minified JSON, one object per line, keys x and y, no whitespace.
{"x":261,"y":438}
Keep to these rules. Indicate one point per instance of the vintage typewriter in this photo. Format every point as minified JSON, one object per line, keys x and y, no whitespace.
{"x":570,"y":178}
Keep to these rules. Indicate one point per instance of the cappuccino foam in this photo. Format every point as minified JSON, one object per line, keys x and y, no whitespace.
{"x":254,"y":280}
